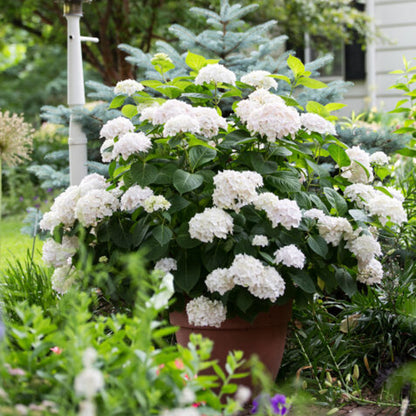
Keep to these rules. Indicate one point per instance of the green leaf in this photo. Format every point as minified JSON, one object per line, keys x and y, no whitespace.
{"x":200,"y":155}
{"x":169,"y":90}
{"x":163,"y":234}
{"x":185,"y":181}
{"x":117,"y":101}
{"x":403,"y":130}
{"x":334,"y":106}
{"x":165,"y":173}
{"x":316,"y":108}
{"x":194,"y":61}
{"x":119,"y":232}
{"x":284,"y":181}
{"x":296,"y":65}
{"x":143,"y":174}
{"x":282,"y":77}
{"x":311,"y":83}
{"x":339,"y":155}
{"x":336,"y":201}
{"x":304,"y":281}
{"x":151,"y":83}
{"x":407,"y":151}
{"x":189,"y":270}
{"x":290,"y":102}
{"x":318,"y":245}
{"x":260,"y":165}
{"x":129,"y":111}
{"x":178,"y":203}
{"x":345,"y":282}
{"x":359,"y":215}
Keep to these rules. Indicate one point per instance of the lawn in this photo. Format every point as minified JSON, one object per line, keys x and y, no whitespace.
{"x":14,"y":245}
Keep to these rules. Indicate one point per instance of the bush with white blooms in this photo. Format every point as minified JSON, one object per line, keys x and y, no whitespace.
{"x":247,"y":198}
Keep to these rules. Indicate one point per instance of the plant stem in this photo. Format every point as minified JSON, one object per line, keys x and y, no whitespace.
{"x":307,"y":359}
{"x":1,"y":190}
{"x":329,"y":349}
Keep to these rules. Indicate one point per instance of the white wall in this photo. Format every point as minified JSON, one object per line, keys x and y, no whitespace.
{"x":396,"y":19}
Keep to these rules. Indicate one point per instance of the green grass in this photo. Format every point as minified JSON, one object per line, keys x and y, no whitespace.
{"x":14,"y":245}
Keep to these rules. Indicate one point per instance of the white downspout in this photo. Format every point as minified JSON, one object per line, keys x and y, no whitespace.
{"x":77,"y":141}
{"x":371,"y":59}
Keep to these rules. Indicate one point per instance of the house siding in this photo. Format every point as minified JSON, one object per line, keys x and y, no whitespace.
{"x":396,"y":19}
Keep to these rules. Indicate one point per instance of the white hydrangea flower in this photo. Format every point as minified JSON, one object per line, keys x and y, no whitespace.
{"x":262,"y":282}
{"x":215,"y":73}
{"x":166,"y":264}
{"x":274,"y":121}
{"x":270,"y":286}
{"x":156,"y":202}
{"x":234,"y":189}
{"x":148,"y":112}
{"x":202,"y":311}
{"x":259,"y":79}
{"x":89,"y":382}
{"x":212,"y":222}
{"x":62,"y":210}
{"x":116,"y":127}
{"x":255,"y":101}
{"x":279,"y":211}
{"x":220,"y":280}
{"x":355,"y":172}
{"x":134,"y":197}
{"x":181,"y":123}
{"x":314,"y":213}
{"x":63,"y":278}
{"x":260,"y":240}
{"x":261,"y":96}
{"x":106,"y":151}
{"x":360,"y":193}
{"x":379,"y":158}
{"x":130,"y":143}
{"x":128,"y":87}
{"x":395,"y":193}
{"x":314,"y":122}
{"x":333,"y":229}
{"x":209,"y":121}
{"x":57,"y":255}
{"x":169,"y":109}
{"x":92,"y":181}
{"x":94,"y":206}
{"x":365,"y":248}
{"x":290,"y":256}
{"x":387,"y":209}
{"x":370,"y":273}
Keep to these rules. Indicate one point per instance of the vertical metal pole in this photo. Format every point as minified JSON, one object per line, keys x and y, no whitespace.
{"x":77,"y":140}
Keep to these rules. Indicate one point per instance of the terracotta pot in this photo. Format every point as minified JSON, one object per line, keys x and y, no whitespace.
{"x":265,"y":336}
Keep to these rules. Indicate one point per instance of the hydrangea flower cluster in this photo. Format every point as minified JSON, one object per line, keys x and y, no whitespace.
{"x":203,"y":311}
{"x":180,"y":117}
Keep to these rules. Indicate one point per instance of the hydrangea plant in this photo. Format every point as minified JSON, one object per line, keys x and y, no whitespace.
{"x":246,"y":197}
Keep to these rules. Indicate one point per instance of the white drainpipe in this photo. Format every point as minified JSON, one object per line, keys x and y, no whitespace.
{"x":77,"y":140}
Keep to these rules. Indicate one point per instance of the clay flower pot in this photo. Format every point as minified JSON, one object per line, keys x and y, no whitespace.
{"x":265,"y":336}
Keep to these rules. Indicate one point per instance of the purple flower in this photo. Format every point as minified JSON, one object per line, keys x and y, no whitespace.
{"x":21,"y":199}
{"x":49,"y":190}
{"x":278,"y":402}
{"x":255,"y":407}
